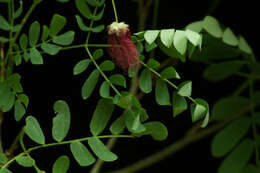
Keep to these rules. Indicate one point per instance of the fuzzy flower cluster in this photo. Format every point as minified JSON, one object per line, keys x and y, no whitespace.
{"x":123,"y":50}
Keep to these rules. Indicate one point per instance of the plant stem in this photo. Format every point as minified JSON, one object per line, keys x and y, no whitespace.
{"x":27,"y":15}
{"x":155,"y":13}
{"x":58,"y":143}
{"x":93,"y":60}
{"x":26,"y":152}
{"x":254,"y":130}
{"x":166,"y":80}
{"x":1,"y":123}
{"x":241,"y":88}
{"x":102,"y":73}
{"x":114,"y":9}
{"x":70,"y":47}
{"x":15,"y":144}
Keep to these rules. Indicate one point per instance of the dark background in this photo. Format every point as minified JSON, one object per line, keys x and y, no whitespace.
{"x":54,"y":80}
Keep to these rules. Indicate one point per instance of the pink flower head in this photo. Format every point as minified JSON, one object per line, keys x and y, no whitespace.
{"x":123,"y":50}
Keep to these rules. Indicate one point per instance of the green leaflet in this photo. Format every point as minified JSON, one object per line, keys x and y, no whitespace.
{"x":118,"y":79}
{"x":229,"y":106}
{"x":101,"y":116}
{"x":170,"y":73}
{"x":61,"y":123}
{"x":81,"y":154}
{"x":238,"y":158}
{"x":65,"y":38}
{"x":81,"y":66}
{"x":222,"y":70}
{"x":107,"y":65}
{"x":23,"y":41}
{"x":90,"y":84}
{"x":151,"y":35}
{"x":104,"y":90}
{"x":145,"y":81}
{"x":243,"y":45}
{"x":98,"y":53}
{"x":227,"y":138}
{"x":185,"y":88}
{"x":133,"y":122}
{"x":7,"y":97}
{"x":180,"y":41}
{"x":162,"y":95}
{"x":4,"y":25}
{"x":33,"y":130}
{"x":61,"y":165}
{"x":156,"y":129}
{"x":179,"y":104}
{"x":34,"y":33}
{"x":4,"y":170}
{"x":56,"y":25}
{"x":118,"y":125}
{"x":101,"y":150}
{"x":166,"y":36}
{"x":83,"y":8}
{"x":229,"y":37}
{"x":211,"y":25}
{"x":25,"y":161}
{"x":35,"y":56}
{"x":45,"y":33}
{"x":19,"y":110}
{"x":51,"y":49}
{"x":152,"y":63}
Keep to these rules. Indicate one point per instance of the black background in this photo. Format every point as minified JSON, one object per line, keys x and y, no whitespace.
{"x":54,"y":80}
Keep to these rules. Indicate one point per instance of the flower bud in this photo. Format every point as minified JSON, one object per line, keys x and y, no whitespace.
{"x":123,"y":51}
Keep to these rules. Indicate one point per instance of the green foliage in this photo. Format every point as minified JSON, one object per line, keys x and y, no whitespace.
{"x":34,"y":33}
{"x":199,"y":110}
{"x":146,"y":81}
{"x":185,"y":89}
{"x":7,"y":98}
{"x":228,"y":138}
{"x":100,"y":150}
{"x":156,"y":129}
{"x":51,"y":49}
{"x":61,"y":165}
{"x":56,"y":25}
{"x":35,"y":56}
{"x":166,"y":36}
{"x":34,"y":131}
{"x":4,"y":170}
{"x":162,"y":95}
{"x":104,"y":90}
{"x":118,"y":79}
{"x":101,"y":116}
{"x":19,"y":110}
{"x":179,"y":104}
{"x":229,"y":106}
{"x":222,"y":70}
{"x":170,"y":73}
{"x":61,"y":123}
{"x":238,"y":158}
{"x":81,"y":154}
{"x":107,"y":65}
{"x":81,"y":66}
{"x":25,"y":161}
{"x":133,"y":122}
{"x":90,"y":84}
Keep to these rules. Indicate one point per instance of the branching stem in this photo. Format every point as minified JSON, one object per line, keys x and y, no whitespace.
{"x":114,"y":9}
